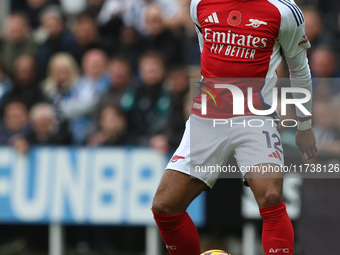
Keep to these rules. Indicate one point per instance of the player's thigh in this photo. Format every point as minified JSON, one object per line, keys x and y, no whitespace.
{"x":175,"y":192}
{"x":266,"y":186}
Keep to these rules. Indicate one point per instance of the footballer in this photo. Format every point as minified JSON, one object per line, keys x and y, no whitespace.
{"x":241,"y":41}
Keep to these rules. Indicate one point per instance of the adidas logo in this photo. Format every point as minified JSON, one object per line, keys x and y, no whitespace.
{"x":275,"y":154}
{"x":212,"y":18}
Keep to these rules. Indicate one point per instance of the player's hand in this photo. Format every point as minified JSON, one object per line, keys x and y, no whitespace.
{"x":305,"y":140}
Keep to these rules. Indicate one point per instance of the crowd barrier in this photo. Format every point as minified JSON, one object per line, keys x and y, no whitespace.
{"x":84,"y":186}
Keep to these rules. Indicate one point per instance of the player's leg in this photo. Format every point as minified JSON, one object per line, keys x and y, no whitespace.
{"x":253,"y":147}
{"x":266,"y":187}
{"x":178,"y":187}
{"x":175,"y":192}
{"x":277,"y":232}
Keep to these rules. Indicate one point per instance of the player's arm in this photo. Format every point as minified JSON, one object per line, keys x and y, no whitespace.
{"x":300,"y":77}
{"x":294,"y":43}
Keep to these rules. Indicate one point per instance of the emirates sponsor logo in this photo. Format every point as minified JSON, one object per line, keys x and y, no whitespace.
{"x":233,"y":45}
{"x":232,"y":38}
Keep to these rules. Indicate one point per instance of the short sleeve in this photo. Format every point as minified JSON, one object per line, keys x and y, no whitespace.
{"x":292,"y":35}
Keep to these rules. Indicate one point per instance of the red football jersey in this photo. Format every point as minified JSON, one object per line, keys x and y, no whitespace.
{"x":241,"y":40}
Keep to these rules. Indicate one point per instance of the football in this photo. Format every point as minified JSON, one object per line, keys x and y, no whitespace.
{"x":215,"y":252}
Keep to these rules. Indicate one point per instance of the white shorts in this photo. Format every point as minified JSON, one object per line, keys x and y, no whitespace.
{"x":253,"y":140}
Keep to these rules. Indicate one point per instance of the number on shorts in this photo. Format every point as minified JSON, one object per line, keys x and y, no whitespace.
{"x":276,"y":144}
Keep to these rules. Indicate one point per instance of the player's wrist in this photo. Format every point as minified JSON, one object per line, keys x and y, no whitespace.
{"x":304,"y":125}
{"x":304,"y":118}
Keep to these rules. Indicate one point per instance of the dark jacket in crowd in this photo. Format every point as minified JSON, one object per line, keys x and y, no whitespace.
{"x":10,"y":51}
{"x":147,"y":110}
{"x":60,"y":136}
{"x":29,"y":96}
{"x":167,"y":44}
{"x":65,"y":42}
{"x":5,"y":134}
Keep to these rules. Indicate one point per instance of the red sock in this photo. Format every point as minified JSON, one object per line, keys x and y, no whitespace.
{"x":179,"y":233}
{"x":277,"y":232}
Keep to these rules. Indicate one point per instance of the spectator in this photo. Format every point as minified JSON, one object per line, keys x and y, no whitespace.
{"x":111,"y":8}
{"x":110,"y":23}
{"x":330,"y":10}
{"x":314,"y":26}
{"x":121,"y":79}
{"x":18,"y":5}
{"x":178,"y":81}
{"x":45,"y":130}
{"x":72,"y":7}
{"x":59,"y":37}
{"x":180,"y":18}
{"x":108,"y":15}
{"x":326,"y":134}
{"x":25,"y":81}
{"x":324,"y":64}
{"x":129,"y":46}
{"x":17,"y":41}
{"x":24,"y":5}
{"x":112,"y":128}
{"x":94,"y":7}
{"x":159,"y":38}
{"x":147,"y":106}
{"x":135,"y":12}
{"x":84,"y":96}
{"x":184,"y":29}
{"x":15,"y":121}
{"x":87,"y":35}
{"x":63,"y":74}
{"x":34,"y":11}
{"x":6,"y":86}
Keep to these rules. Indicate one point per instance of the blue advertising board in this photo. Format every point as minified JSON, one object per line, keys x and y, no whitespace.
{"x":113,"y":186}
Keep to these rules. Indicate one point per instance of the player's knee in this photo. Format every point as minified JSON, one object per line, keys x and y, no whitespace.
{"x":271,"y":197}
{"x":162,"y":207}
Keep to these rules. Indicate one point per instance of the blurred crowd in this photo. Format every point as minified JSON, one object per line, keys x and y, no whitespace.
{"x":116,"y":72}
{"x":95,"y":73}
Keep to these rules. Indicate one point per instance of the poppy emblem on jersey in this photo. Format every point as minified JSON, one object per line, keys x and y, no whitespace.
{"x":175,"y":158}
{"x":234,"y":18}
{"x":256,"y":23}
